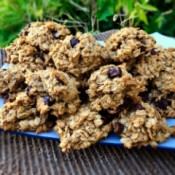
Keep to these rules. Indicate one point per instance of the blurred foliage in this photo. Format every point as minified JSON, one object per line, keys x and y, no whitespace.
{"x":87,"y":15}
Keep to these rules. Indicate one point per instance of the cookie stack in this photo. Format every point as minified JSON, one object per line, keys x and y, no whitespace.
{"x":85,"y":90}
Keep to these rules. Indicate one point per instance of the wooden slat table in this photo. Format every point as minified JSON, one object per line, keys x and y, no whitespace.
{"x":21,"y":155}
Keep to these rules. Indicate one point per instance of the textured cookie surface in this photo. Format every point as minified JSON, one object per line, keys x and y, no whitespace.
{"x":128,"y":44}
{"x":11,"y":80}
{"x":57,"y":92}
{"x":44,"y":34}
{"x":109,"y":85}
{"x":141,"y":126}
{"x":164,"y":103}
{"x":165,"y":82}
{"x":32,"y":47}
{"x":23,"y":54}
{"x":78,"y":55}
{"x":22,"y":115}
{"x":150,"y":65}
{"x":128,"y":84}
{"x":81,"y":129}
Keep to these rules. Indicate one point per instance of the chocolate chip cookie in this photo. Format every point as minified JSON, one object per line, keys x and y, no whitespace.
{"x":78,"y":55}
{"x":81,"y":130}
{"x":109,"y":85}
{"x":141,"y":126}
{"x":22,"y":115}
{"x":127,"y":44}
{"x":57,"y":91}
{"x":11,"y":81}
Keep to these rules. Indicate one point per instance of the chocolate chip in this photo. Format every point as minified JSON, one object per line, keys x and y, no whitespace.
{"x":83,"y":95}
{"x":55,"y":34}
{"x":112,"y":73}
{"x":28,"y":88}
{"x":38,"y":49}
{"x":48,"y":100}
{"x":150,"y":85}
{"x":6,"y":96}
{"x":107,"y":117}
{"x":23,"y":33}
{"x":170,"y":95}
{"x":162,"y":103}
{"x":144,"y":95}
{"x":74,"y":41}
{"x":119,"y":45}
{"x":139,"y":107}
{"x":41,"y":54}
{"x":71,"y":131}
{"x":127,"y":103}
{"x":52,"y":118}
{"x":142,"y":41}
{"x":118,"y":128}
{"x":143,"y":49}
{"x":152,"y":51}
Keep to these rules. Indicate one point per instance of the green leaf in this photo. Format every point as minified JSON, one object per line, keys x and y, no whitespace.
{"x":119,"y":5}
{"x":130,"y":5}
{"x":148,"y":7}
{"x":144,"y":1}
{"x":159,"y":21}
{"x":141,"y":14}
{"x":133,"y":15}
{"x":168,"y":1}
{"x":105,"y":9}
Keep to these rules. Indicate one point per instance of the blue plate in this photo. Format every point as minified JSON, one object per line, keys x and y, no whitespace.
{"x":112,"y":139}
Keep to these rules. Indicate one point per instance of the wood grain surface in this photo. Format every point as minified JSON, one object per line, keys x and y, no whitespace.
{"x":21,"y":155}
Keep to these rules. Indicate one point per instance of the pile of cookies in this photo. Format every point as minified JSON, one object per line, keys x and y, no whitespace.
{"x":85,"y":90}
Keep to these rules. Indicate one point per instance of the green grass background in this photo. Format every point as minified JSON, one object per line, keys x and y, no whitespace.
{"x":92,"y":16}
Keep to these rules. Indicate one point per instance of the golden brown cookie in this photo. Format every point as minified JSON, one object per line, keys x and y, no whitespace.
{"x":81,"y":130}
{"x":127,"y":44}
{"x":22,"y":115}
{"x":78,"y":55}
{"x":109,"y":85}
{"x":141,"y":126}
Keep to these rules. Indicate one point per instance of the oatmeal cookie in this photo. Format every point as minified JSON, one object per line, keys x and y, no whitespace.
{"x":59,"y":85}
{"x":44,"y":34}
{"x":10,"y":97}
{"x":22,"y":115}
{"x":165,"y":82}
{"x":81,"y":130}
{"x":62,"y":89}
{"x":32,"y":47}
{"x":11,"y":80}
{"x":109,"y":85}
{"x":127,"y":44}
{"x":141,"y":126}
{"x":35,"y":85}
{"x":57,"y":91}
{"x":27,"y":56}
{"x":149,"y":65}
{"x":164,"y":103}
{"x":78,"y":55}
